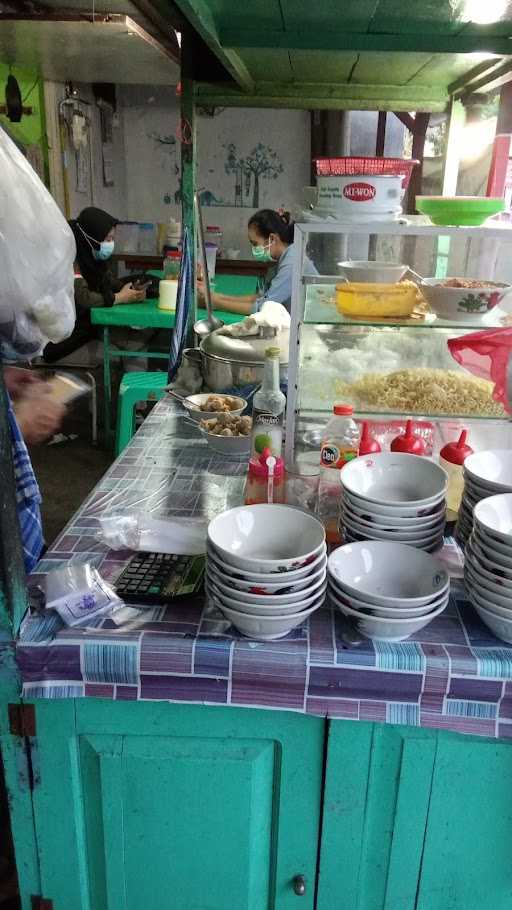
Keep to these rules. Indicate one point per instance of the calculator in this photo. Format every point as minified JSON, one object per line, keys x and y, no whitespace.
{"x":155,"y":578}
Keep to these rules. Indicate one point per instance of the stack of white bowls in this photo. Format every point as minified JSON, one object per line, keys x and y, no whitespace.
{"x":394,"y":496}
{"x":485,"y":474}
{"x":488,"y":564}
{"x":388,"y":591}
{"x":266,"y":568}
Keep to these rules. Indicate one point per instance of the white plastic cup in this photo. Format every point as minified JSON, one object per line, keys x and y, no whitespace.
{"x":211,"y":259}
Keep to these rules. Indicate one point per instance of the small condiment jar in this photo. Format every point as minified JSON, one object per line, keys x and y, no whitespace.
{"x":451,"y":457}
{"x":409,"y":442}
{"x":258,"y":486}
{"x":367,"y":444}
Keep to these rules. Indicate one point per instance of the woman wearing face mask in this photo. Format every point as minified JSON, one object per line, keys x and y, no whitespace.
{"x":271,"y":238}
{"x":94,"y":232}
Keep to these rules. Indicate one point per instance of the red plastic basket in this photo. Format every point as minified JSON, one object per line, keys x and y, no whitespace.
{"x":369,"y":167}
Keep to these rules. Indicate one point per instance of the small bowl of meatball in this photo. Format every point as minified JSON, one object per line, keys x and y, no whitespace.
{"x":209,"y":405}
{"x":228,"y":434}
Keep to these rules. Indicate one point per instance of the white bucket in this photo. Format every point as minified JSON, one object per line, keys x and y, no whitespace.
{"x":361,"y":198}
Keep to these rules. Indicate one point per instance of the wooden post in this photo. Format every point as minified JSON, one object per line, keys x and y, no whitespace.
{"x":456,"y":121}
{"x":504,"y":124}
{"x":381,"y":134}
{"x":418,"y":151}
{"x":188,"y":160}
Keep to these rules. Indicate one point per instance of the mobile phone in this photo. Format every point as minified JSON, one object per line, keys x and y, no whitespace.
{"x":65,"y":388}
{"x":142,"y":284}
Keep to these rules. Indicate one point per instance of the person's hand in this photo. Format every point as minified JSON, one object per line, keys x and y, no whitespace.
{"x":38,"y":415}
{"x":128,"y":294}
{"x":17,"y":381}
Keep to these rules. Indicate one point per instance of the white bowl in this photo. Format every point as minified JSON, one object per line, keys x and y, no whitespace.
{"x":430,"y":547}
{"x":487,"y":560}
{"x":398,"y":479}
{"x":468,"y":305}
{"x":483,"y":588}
{"x":227,"y":445}
{"x":267,"y":601}
{"x":267,"y":538}
{"x":386,"y":629}
{"x":267,"y":579}
{"x":201,"y":399}
{"x":491,"y":469}
{"x":500,"y":625}
{"x":383,"y":572}
{"x":255,"y":586}
{"x":257,"y":609}
{"x":372,"y":531}
{"x":371,"y":271}
{"x":476,"y":597}
{"x":495,"y":516}
{"x":400,"y":608}
{"x":489,"y":573}
{"x":496,"y":549}
{"x":265,"y":628}
{"x":383,"y":522}
{"x":475,"y":491}
{"x":364,"y":508}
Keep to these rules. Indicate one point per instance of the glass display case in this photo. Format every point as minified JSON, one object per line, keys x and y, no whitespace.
{"x":394,"y":367}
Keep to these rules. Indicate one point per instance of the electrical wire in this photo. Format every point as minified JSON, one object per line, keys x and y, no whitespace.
{"x":31,"y":90}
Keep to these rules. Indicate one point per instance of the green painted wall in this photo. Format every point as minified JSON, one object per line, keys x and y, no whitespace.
{"x":31,"y":130}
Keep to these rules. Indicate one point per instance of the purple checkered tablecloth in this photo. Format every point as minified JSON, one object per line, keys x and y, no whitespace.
{"x":454,"y":675}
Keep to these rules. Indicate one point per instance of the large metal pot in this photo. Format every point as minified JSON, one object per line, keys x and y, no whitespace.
{"x":235,"y":362}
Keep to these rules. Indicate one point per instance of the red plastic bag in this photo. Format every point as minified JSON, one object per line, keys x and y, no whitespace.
{"x":487,"y":355}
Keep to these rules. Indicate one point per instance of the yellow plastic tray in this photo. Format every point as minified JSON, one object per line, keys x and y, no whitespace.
{"x":362,"y":299}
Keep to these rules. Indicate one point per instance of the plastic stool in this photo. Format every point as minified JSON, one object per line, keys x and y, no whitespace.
{"x":135,"y":387}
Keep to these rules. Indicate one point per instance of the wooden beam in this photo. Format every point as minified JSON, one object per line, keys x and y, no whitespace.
{"x":490,"y":81}
{"x":200,"y":17}
{"x":463,"y":83}
{"x":418,"y":151}
{"x":330,"y":96}
{"x":406,"y":119}
{"x":381,"y":134}
{"x":340,"y":40}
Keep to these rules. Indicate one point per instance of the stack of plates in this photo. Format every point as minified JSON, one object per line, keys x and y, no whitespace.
{"x":394,"y":496}
{"x":485,"y":474}
{"x":488,"y":564}
{"x":387,"y":590}
{"x":266,"y":568}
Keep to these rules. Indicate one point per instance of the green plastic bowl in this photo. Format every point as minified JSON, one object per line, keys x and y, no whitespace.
{"x":459,"y":210}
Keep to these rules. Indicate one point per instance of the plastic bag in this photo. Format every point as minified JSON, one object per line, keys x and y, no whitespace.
{"x":145,"y":533}
{"x":37,"y":251}
{"x":79,"y":594}
{"x":487,"y":355}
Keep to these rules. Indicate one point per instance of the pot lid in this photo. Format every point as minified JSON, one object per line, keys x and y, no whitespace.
{"x":245,"y":350}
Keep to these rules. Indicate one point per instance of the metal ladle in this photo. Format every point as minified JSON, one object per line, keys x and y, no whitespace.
{"x":204,"y":327}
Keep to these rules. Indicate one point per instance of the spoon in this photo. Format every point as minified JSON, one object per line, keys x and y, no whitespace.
{"x":185,"y":401}
{"x":204,"y":327}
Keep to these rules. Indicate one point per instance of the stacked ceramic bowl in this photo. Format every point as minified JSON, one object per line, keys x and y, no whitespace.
{"x":387,"y":591}
{"x":394,"y":496}
{"x":485,"y":474}
{"x":266,"y":568}
{"x":488,"y":564}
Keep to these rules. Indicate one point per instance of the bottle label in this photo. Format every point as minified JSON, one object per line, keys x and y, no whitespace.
{"x":267,"y":432}
{"x":333,"y":456}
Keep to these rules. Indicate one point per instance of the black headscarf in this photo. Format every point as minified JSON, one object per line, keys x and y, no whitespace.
{"x":97,"y":224}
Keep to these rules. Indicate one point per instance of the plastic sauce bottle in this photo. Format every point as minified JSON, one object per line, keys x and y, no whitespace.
{"x":260,"y":487}
{"x":451,"y":457}
{"x":367,"y":444}
{"x":340,"y":443}
{"x":409,"y":442}
{"x":268,"y":410}
{"x":171,"y":264}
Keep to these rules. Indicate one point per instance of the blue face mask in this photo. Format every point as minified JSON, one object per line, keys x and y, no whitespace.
{"x":105,"y":251}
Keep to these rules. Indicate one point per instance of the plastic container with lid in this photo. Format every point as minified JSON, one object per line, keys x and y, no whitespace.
{"x":409,"y":442}
{"x":451,"y":457}
{"x":264,"y":484}
{"x":340,"y":444}
{"x":171,"y":264}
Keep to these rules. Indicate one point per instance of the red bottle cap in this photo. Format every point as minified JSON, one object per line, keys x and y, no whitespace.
{"x":457,"y":452}
{"x":409,"y":442}
{"x":343,"y":409}
{"x":258,"y":468}
{"x":368,"y":444}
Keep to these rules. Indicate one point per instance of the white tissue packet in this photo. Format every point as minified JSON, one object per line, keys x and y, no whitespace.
{"x":79,"y":594}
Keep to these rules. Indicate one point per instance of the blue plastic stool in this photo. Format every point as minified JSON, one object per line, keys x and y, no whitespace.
{"x":135,"y":387}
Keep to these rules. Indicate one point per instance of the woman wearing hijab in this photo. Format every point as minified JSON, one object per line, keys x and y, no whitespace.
{"x":94,"y":232}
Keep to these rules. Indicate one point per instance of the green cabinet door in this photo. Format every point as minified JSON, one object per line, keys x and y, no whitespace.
{"x":415,"y":819}
{"x":152,"y":806}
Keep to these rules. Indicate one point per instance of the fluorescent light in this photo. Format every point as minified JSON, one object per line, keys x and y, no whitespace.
{"x":484,"y":12}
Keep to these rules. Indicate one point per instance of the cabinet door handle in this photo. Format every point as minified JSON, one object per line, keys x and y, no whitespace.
{"x":299,"y":885}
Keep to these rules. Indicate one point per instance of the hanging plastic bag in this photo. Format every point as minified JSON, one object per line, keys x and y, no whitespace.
{"x":487,"y":354}
{"x":37,"y":250}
